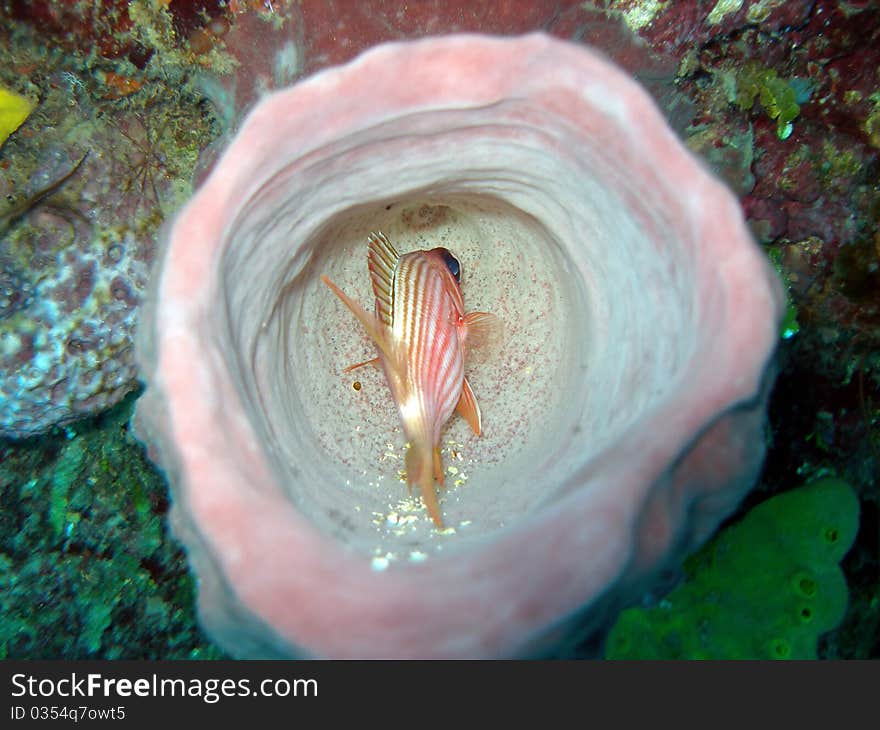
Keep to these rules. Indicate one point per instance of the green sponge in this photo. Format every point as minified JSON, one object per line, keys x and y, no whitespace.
{"x":764,"y":588}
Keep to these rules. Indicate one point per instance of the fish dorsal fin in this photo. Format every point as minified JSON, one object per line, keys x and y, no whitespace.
{"x":382,"y":261}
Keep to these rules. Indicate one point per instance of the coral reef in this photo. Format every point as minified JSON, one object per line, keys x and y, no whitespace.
{"x":86,"y":567}
{"x":74,"y":268}
{"x":298,"y":464}
{"x":811,"y":198}
{"x":87,"y":181}
{"x":764,"y":588}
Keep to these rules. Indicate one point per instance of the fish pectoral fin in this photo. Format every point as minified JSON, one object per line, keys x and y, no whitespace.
{"x":469,"y":409}
{"x":375,"y":361}
{"x":482,"y":332}
{"x":419,"y":470}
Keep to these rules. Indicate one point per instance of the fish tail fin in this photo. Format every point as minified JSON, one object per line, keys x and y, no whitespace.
{"x":420,"y":467}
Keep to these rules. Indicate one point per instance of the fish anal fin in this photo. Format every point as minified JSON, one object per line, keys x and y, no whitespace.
{"x":482,"y":332}
{"x":469,"y":409}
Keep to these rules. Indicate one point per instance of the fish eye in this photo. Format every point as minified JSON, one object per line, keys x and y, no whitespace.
{"x":452,"y":264}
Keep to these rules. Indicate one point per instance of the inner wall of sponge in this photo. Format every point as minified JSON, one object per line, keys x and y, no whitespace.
{"x":594,"y":295}
{"x":510,"y":268}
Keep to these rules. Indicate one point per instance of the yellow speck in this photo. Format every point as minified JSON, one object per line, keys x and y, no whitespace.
{"x":760,"y":11}
{"x":453,"y":470}
{"x":641,"y":14}
{"x":721,"y":9}
{"x":14,"y":109}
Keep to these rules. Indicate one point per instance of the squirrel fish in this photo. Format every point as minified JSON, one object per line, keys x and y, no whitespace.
{"x":422,"y":333}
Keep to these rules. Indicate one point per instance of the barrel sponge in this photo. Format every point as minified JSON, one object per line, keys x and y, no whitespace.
{"x":764,"y":588}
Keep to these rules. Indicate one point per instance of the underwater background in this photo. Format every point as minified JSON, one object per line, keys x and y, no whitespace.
{"x":111,"y":111}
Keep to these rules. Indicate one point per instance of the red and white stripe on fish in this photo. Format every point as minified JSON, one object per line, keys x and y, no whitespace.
{"x":422,"y":333}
